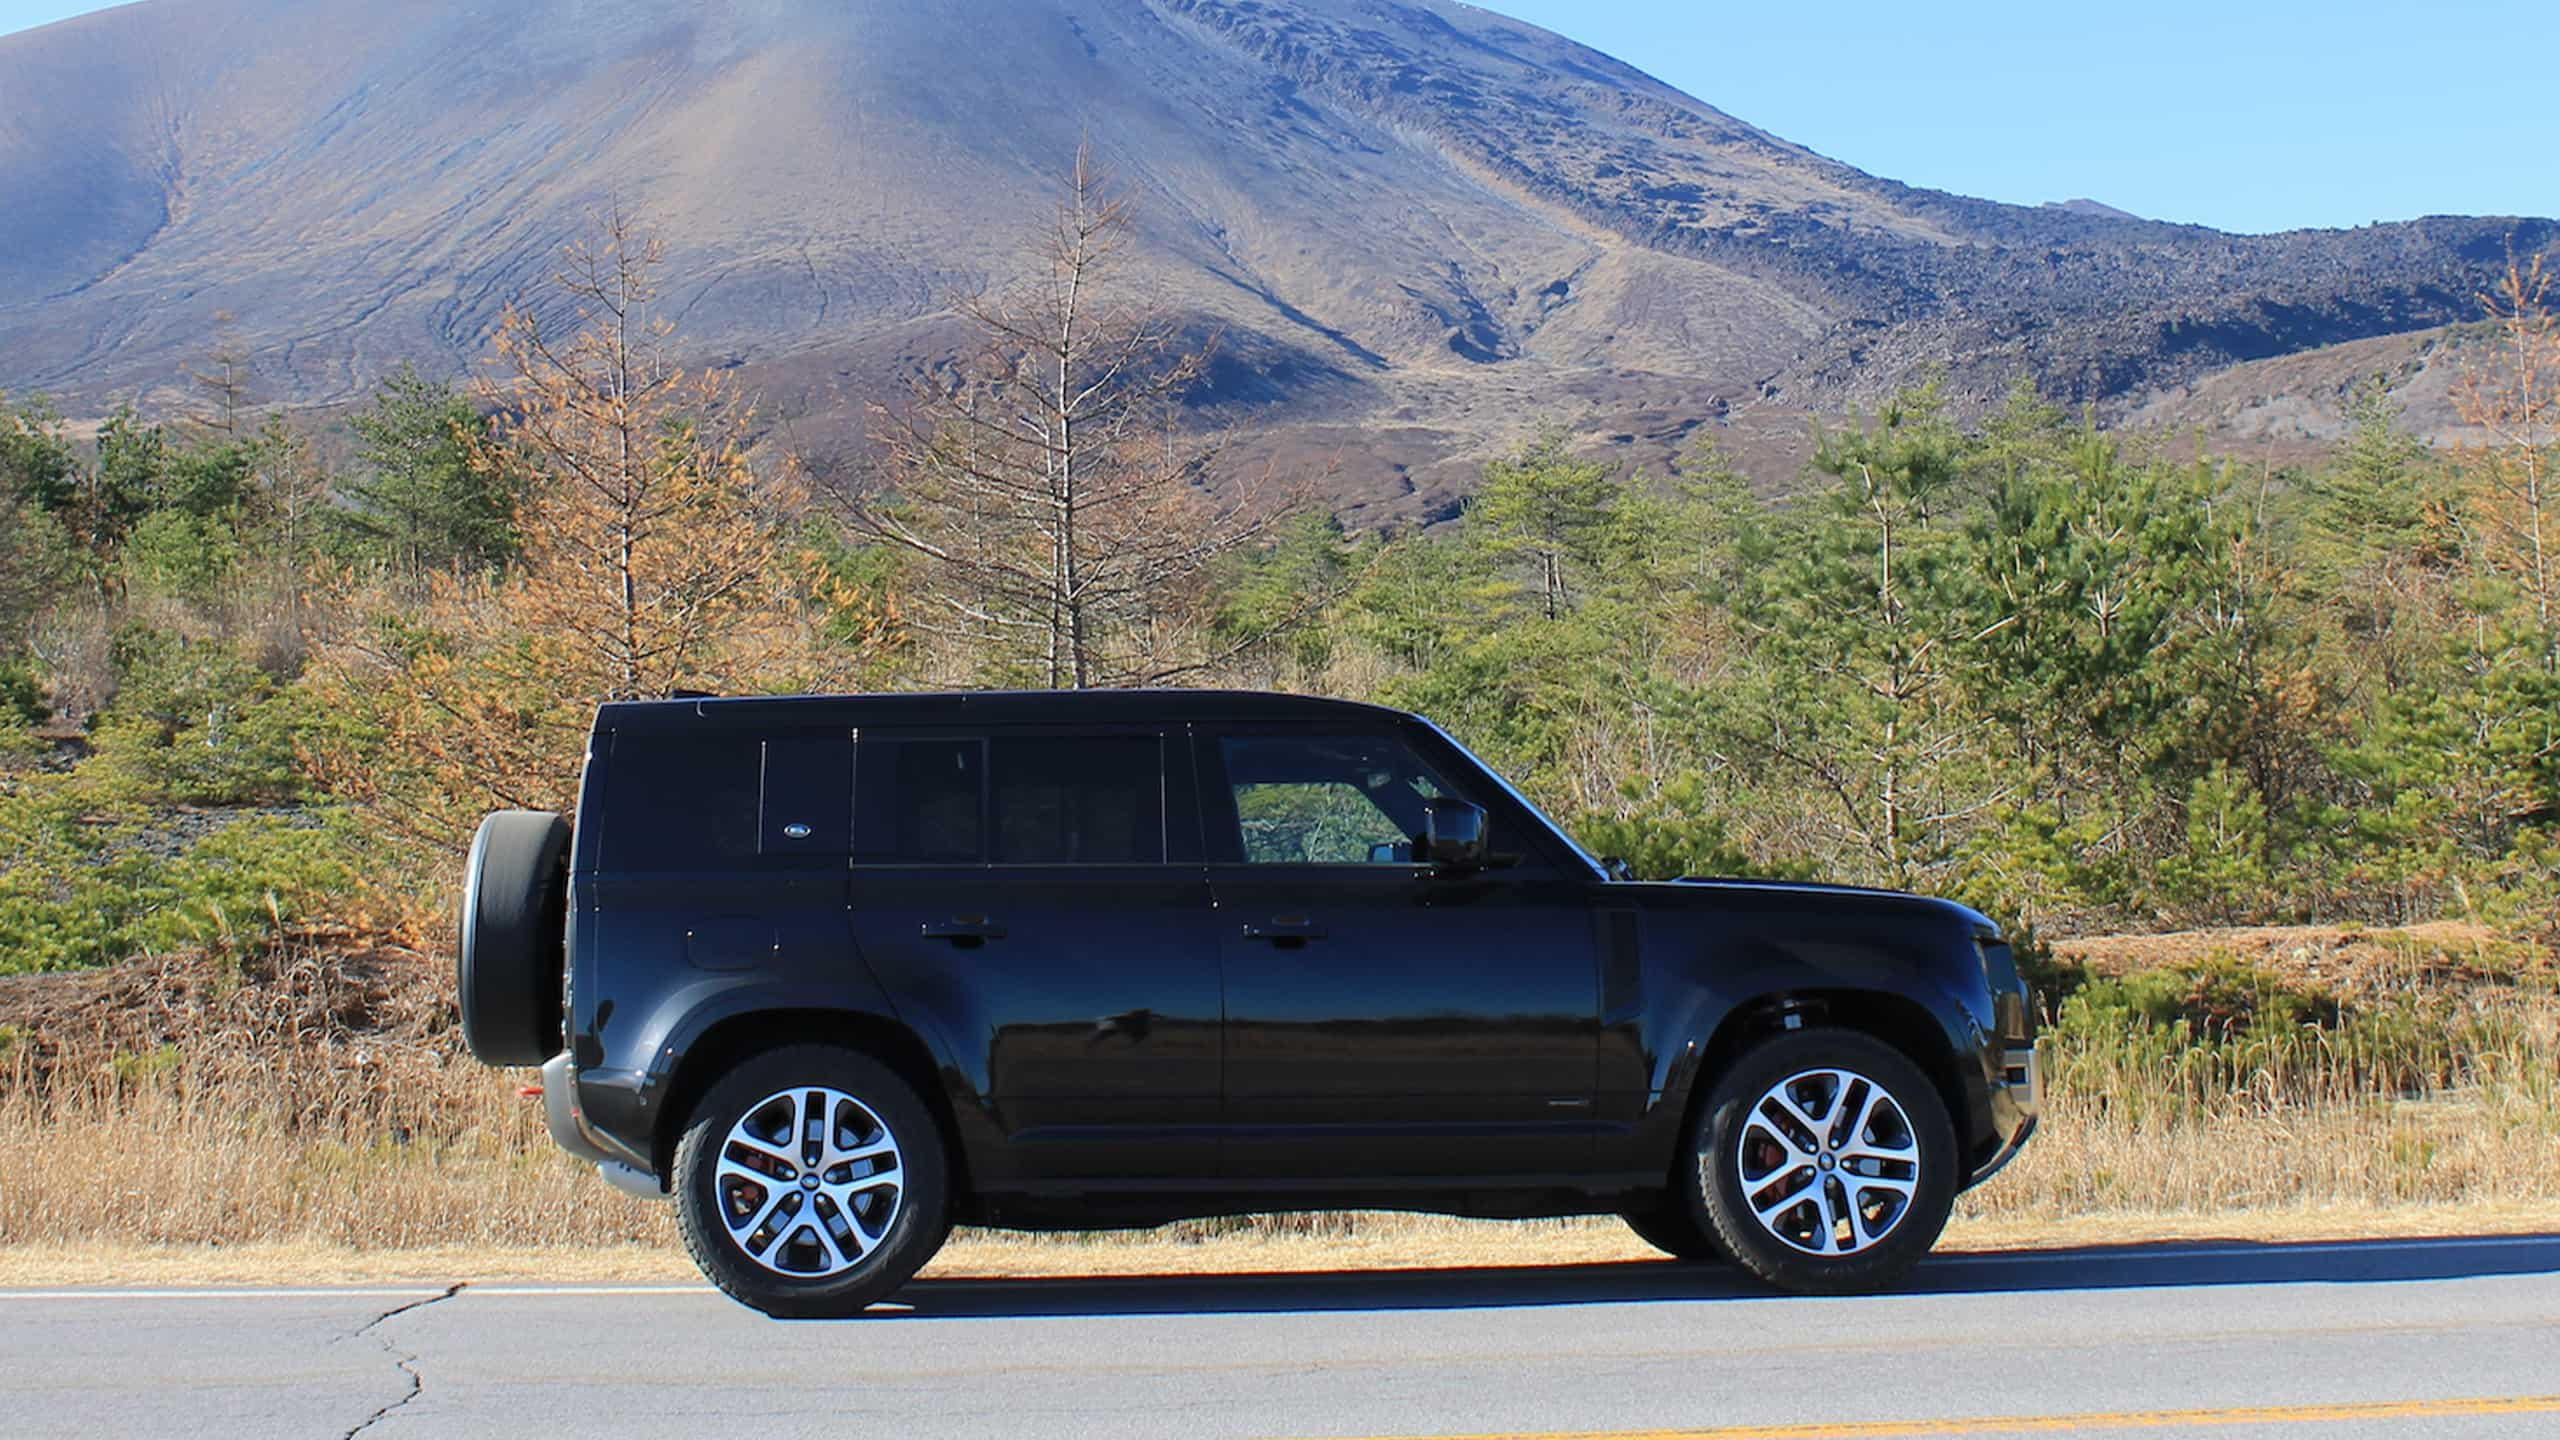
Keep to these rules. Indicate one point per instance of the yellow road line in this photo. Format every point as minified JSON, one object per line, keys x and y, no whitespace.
{"x":2058,"y":1424}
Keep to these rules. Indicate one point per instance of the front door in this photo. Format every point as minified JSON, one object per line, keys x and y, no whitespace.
{"x":1019,"y":898}
{"x":1385,"y":1020}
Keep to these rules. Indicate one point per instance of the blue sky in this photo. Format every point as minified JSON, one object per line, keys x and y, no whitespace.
{"x":2242,"y":114}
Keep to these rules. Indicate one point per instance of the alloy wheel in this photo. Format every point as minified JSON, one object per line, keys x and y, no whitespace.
{"x":1829,"y":1162}
{"x":809,"y":1181}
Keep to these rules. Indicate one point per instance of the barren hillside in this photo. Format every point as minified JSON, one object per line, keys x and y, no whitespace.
{"x":1421,"y":226}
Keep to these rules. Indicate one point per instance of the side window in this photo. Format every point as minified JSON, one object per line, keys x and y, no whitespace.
{"x":921,"y":802}
{"x":1079,"y":800}
{"x":1327,"y":800}
{"x":682,"y":802}
{"x":808,"y":797}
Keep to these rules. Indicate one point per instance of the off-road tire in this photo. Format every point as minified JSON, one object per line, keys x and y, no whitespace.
{"x":1713,"y":1157}
{"x":921,"y":1220}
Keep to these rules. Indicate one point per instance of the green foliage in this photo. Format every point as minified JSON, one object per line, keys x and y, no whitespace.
{"x":2222,"y":870}
{"x":1668,"y":832}
{"x":195,"y":723}
{"x":418,"y":503}
{"x":2221,"y":1035}
{"x":1859,"y":609}
{"x":1267,"y":597}
{"x":86,"y":886}
{"x":21,"y":699}
{"x":177,"y":553}
{"x":38,"y":466}
{"x":35,"y":567}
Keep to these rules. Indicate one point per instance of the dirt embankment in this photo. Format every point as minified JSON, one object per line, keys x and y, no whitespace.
{"x":2341,"y":958}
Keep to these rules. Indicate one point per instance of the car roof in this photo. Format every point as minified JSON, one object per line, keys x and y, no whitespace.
{"x":984,"y":707}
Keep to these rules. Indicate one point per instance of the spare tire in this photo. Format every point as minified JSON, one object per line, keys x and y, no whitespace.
{"x":515,"y":909}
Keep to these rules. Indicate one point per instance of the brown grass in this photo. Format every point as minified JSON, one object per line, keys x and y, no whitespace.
{"x":308,"y":1117}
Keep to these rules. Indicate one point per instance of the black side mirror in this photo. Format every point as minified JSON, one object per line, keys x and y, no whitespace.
{"x":1454,"y":835}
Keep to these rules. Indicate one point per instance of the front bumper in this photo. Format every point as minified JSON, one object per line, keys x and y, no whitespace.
{"x":2018,"y":1098}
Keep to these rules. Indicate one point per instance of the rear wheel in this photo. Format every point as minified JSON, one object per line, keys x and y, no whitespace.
{"x":811,"y":1182}
{"x":1826,"y":1162}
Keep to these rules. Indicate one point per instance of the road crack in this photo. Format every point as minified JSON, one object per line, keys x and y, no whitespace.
{"x":405,"y":1360}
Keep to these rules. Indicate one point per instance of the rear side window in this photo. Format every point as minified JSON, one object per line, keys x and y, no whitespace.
{"x":1079,"y":801}
{"x":1029,"y":800}
{"x":921,"y":802}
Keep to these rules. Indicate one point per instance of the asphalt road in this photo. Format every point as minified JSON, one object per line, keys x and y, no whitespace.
{"x":2418,"y":1338}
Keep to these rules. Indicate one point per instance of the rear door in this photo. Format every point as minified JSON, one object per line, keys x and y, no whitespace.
{"x":1022,"y":896}
{"x":1385,"y":1021}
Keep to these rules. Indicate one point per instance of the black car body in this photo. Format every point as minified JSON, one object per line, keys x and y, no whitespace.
{"x":1151,"y":955}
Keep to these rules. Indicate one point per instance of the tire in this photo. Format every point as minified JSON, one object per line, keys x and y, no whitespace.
{"x":1833,"y":1077}
{"x":1671,"y":1225}
{"x":509,"y":968}
{"x":750,"y":1128}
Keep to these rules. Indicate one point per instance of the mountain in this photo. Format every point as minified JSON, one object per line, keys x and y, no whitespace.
{"x":2095,"y":208}
{"x":2294,"y":407}
{"x":1421,"y":227}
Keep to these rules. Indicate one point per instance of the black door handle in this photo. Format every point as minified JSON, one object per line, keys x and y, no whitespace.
{"x":1288,"y":932}
{"x":964,"y":932}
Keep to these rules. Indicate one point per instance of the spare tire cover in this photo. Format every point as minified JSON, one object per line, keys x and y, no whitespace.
{"x":514,"y":937}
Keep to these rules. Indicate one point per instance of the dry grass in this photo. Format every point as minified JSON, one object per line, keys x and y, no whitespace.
{"x":308,"y":1119}
{"x":1367,"y":1243}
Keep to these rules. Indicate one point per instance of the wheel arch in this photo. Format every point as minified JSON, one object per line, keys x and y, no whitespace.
{"x":1896,"y":1020}
{"x":732,"y":1040}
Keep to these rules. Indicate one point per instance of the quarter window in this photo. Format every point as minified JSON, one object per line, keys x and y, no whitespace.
{"x":682,"y":802}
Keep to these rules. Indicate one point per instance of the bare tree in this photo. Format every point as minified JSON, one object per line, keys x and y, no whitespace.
{"x":2517,"y":404}
{"x":1062,"y":519}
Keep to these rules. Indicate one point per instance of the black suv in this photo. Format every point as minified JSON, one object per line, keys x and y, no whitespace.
{"x":838,"y":972}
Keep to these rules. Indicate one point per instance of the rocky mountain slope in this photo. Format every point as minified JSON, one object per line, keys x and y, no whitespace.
{"x":1421,"y":226}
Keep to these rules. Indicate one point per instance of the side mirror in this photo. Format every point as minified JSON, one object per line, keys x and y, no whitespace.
{"x":1454,"y":835}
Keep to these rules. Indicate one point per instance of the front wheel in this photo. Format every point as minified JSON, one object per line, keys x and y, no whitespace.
{"x":1826,"y":1162}
{"x":811,"y":1182}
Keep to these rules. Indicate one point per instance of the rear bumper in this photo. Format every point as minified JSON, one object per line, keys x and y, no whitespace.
{"x":563,"y":1116}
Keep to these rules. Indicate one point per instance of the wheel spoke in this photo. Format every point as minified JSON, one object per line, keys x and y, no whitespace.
{"x":830,"y":1253}
{"x":1859,"y":1239}
{"x":883,"y":1147}
{"x":1828,"y":1237}
{"x":732,"y":1170}
{"x":1793,"y":1197}
{"x":1796,"y":1154}
{"x":864,"y":1237}
{"x":774,"y":1197}
{"x":1796,"y":1112}
{"x":740,"y":1140}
